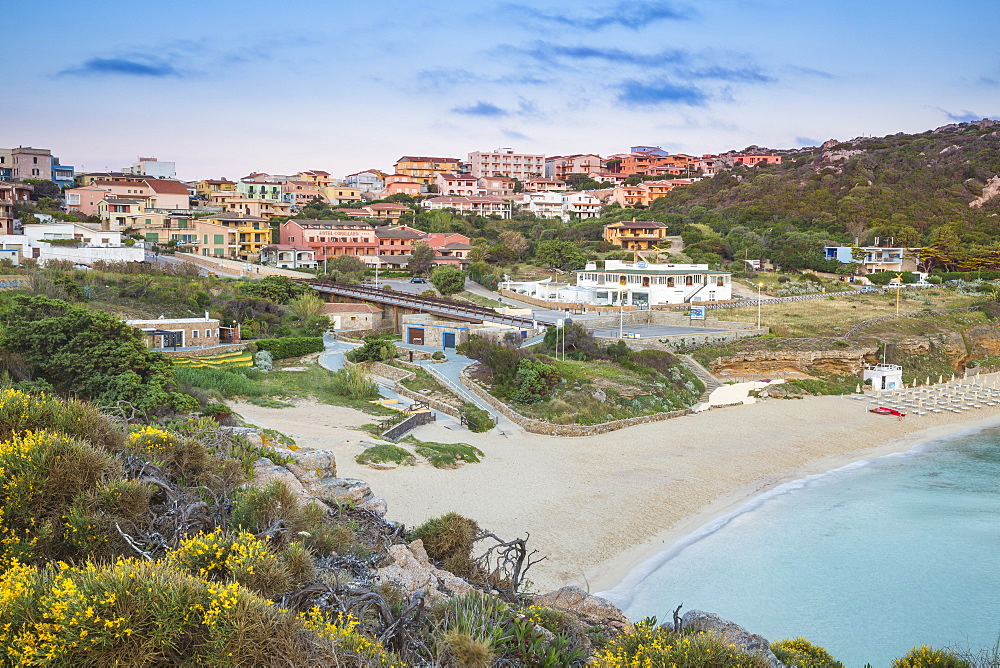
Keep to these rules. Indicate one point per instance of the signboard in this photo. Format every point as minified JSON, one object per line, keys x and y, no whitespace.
{"x":631,"y":335}
{"x":641,"y":265}
{"x":697,"y":312}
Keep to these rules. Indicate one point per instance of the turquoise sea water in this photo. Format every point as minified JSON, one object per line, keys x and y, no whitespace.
{"x":867,"y":561}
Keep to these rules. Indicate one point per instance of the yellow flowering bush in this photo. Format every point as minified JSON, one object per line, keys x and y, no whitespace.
{"x":137,"y":612}
{"x":239,"y":556}
{"x":646,"y":645}
{"x":343,"y":631}
{"x":926,"y":656}
{"x":801,"y":653}
{"x":49,"y":489}
{"x":20,"y":412}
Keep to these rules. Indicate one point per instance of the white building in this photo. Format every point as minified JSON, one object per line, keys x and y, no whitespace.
{"x":152,"y":167}
{"x":74,"y":242}
{"x":581,"y":205}
{"x":633,"y":284}
{"x":884,"y":376}
{"x":566,"y":206}
{"x":542,"y":204}
{"x":482,"y":206}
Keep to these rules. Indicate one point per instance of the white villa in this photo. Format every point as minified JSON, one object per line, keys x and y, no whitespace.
{"x":637,"y":284}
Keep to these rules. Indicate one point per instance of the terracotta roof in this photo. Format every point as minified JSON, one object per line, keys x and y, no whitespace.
{"x":233,"y":215}
{"x":350,"y":308}
{"x":421,"y":158}
{"x":637,"y":224}
{"x":167,"y":187}
{"x":218,"y":181}
{"x":360,"y":213}
{"x":383,"y":233}
{"x":388,"y":206}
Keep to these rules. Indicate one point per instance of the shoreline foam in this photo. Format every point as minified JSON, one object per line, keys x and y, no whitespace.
{"x":918,"y":442}
{"x":599,"y":506}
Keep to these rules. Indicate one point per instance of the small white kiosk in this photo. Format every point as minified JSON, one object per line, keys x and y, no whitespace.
{"x":884,"y":376}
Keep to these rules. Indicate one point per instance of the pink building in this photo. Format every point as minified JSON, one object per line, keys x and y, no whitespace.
{"x":543,"y":185}
{"x":85,"y":199}
{"x":496,"y":186}
{"x":753,"y":159}
{"x":457,"y":184}
{"x":504,"y":162}
{"x":561,"y":166}
{"x":330,"y":238}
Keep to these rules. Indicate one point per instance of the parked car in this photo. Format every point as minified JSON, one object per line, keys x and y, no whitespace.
{"x":868,"y":289}
{"x":417,"y":279}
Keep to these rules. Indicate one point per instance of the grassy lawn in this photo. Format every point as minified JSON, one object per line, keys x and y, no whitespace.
{"x":479,"y":299}
{"x":835,"y":315}
{"x":313,"y":383}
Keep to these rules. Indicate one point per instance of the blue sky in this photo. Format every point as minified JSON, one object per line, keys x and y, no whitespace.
{"x":223,"y":88}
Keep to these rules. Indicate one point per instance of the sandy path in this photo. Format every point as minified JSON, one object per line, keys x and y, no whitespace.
{"x":598,"y":506}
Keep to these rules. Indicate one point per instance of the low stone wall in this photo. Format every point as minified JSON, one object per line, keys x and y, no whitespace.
{"x":394,"y":375}
{"x":664,"y":318}
{"x":204,"y":352}
{"x":550,"y":429}
{"x":237,"y":267}
{"x":384,"y":371}
{"x":412,"y":422}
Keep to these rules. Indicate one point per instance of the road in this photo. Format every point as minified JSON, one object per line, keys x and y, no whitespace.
{"x":655,"y":330}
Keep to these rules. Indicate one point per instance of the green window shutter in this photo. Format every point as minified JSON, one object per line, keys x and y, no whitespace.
{"x":218,"y":251}
{"x":153,"y":236}
{"x":220,"y":239}
{"x":206,"y":239}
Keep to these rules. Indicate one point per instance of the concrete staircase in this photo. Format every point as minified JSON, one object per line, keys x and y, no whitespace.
{"x":711,"y":382}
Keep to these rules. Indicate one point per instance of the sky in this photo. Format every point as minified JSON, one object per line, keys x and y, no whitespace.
{"x":223,"y":88}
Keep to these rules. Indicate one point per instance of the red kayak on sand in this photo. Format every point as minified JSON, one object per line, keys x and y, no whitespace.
{"x":882,"y":410}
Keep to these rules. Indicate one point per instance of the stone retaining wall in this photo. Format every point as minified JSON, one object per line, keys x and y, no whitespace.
{"x":394,"y":376}
{"x":550,"y":429}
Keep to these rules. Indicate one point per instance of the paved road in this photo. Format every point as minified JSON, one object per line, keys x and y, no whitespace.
{"x":656,"y":330}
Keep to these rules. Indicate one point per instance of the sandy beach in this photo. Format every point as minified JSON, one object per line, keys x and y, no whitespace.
{"x":599,"y":506}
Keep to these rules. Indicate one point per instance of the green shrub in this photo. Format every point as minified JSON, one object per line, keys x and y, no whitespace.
{"x":801,"y":653}
{"x":448,"y":455}
{"x":437,"y":355}
{"x":353,"y":383}
{"x":926,"y":656}
{"x":229,"y":383}
{"x":646,"y":644}
{"x":478,"y":420}
{"x":386,"y":452}
{"x":374,"y":349}
{"x":448,"y":540}
{"x":291,"y":346}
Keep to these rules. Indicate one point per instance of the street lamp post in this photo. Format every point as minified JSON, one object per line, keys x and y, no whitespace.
{"x":759,"y":286}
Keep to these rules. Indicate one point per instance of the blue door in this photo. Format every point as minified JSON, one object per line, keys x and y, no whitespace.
{"x":449,"y":339}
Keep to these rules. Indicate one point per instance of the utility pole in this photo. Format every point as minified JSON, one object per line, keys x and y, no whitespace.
{"x":759,"y":286}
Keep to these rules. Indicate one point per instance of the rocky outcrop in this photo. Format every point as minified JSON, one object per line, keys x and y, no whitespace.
{"x":990,"y":190}
{"x":844,"y":362}
{"x":594,"y":610}
{"x":410,"y":569}
{"x":731,"y":633}
{"x":312,"y":476}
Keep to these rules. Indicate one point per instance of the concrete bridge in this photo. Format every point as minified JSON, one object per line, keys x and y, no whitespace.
{"x":403,"y":303}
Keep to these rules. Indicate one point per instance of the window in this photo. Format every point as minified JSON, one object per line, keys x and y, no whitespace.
{"x":219,"y":239}
{"x":194,"y":334}
{"x":688,"y":280}
{"x":711,"y":295}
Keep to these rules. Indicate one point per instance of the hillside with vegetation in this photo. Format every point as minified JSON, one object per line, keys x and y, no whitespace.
{"x":909,"y":190}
